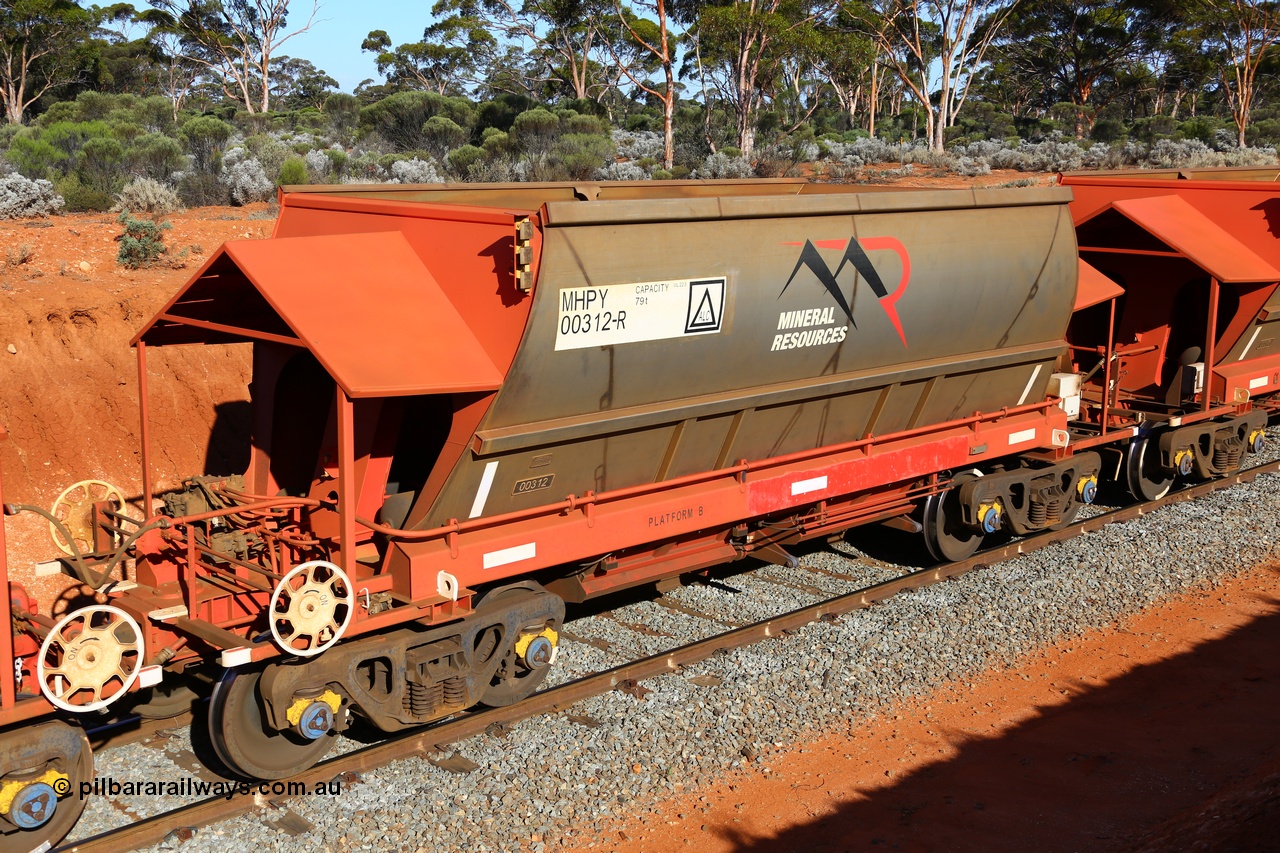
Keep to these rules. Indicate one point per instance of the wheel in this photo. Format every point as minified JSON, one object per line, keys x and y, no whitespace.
{"x":245,"y":743}
{"x":74,"y":508}
{"x":90,"y":659}
{"x":32,"y":804}
{"x":1145,"y":476}
{"x":514,"y":680}
{"x":311,"y":608}
{"x":945,"y":535}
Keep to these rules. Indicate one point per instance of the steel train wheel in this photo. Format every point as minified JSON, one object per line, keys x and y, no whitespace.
{"x":67,"y":812}
{"x":513,"y":681}
{"x":945,"y":536}
{"x":1145,"y":476}
{"x":243,"y":740}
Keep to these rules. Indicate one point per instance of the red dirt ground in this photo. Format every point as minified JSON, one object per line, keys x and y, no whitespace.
{"x":1155,"y":736}
{"x":70,"y":395}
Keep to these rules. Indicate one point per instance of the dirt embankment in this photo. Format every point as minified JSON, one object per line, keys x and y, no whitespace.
{"x":70,"y":384}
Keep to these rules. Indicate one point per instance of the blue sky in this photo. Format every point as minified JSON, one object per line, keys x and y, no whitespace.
{"x":333,"y":44}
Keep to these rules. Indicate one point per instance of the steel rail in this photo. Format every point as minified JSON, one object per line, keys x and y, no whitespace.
{"x":433,"y":738}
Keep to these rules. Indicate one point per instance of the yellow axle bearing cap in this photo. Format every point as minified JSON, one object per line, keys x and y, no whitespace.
{"x":9,"y":790}
{"x":294,"y":714}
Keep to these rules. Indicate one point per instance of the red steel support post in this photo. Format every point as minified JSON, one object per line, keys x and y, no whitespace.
{"x":7,"y":691}
{"x":144,"y":429}
{"x":347,"y":487}
{"x":1106,"y":369}
{"x":1211,"y":332}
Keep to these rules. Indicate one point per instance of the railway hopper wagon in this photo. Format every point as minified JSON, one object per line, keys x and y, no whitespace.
{"x":474,"y":403}
{"x":1186,"y":316}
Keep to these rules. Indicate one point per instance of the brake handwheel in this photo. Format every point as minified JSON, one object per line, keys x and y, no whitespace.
{"x":74,"y":509}
{"x":311,"y":608}
{"x":90,"y":659}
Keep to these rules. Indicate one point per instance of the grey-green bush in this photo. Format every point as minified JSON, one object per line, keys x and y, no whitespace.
{"x":144,"y":195}
{"x":21,"y":197}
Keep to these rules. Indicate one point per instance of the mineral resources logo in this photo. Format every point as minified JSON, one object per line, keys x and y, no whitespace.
{"x":855,"y":255}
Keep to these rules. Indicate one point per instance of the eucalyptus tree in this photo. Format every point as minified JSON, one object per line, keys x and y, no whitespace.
{"x":450,"y":58}
{"x":936,"y":44}
{"x":743,"y":46}
{"x":566,"y":37}
{"x":234,"y":40}
{"x":38,"y":50}
{"x":653,"y":45}
{"x":1070,"y":50}
{"x":1243,"y":34}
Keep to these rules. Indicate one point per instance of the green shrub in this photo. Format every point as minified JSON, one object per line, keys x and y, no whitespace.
{"x":203,"y":189}
{"x":91,"y":105}
{"x":582,"y":154}
{"x":535,"y":131}
{"x":80,"y":198}
{"x":1200,"y":128}
{"x":59,"y":111}
{"x":293,"y":171}
{"x":343,"y":111}
{"x":661,"y":175}
{"x":99,"y":162}
{"x":1152,"y":128}
{"x":495,"y":142}
{"x":154,"y":113}
{"x":269,"y":151}
{"x":400,"y":118}
{"x":34,"y":157}
{"x":141,"y":243}
{"x":337,"y":160}
{"x":154,"y":156}
{"x":584,"y":124}
{"x":461,"y":159}
{"x":442,"y":135}
{"x":205,"y":136}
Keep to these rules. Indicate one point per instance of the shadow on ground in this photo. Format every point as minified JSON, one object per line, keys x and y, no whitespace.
{"x":1178,"y":755}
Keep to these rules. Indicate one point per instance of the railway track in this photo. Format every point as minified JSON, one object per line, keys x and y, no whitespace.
{"x":627,"y":677}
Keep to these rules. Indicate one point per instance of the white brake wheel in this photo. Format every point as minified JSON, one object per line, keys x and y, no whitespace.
{"x":74,"y":508}
{"x":91,"y":654}
{"x":311,"y":608}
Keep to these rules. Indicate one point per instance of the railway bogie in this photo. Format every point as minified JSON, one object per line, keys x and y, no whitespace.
{"x":621,"y":384}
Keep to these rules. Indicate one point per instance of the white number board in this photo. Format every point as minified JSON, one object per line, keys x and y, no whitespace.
{"x":647,"y":311}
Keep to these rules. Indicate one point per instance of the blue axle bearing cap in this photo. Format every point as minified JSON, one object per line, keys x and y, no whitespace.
{"x":34,"y":805}
{"x":316,"y":720}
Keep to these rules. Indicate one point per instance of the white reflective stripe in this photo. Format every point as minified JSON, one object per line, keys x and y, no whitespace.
{"x":1247,"y":346}
{"x":235,"y":657}
{"x":1032,"y":381}
{"x":1022,"y":435}
{"x":510,"y":555}
{"x":150,"y":676}
{"x":1257,"y":383}
{"x":803,"y":487}
{"x":482,"y":493}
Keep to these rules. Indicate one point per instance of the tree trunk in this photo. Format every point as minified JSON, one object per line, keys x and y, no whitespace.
{"x":668,"y":119}
{"x":872,"y":101}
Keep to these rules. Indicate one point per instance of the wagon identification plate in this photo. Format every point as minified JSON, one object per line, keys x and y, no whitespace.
{"x":646,"y":311}
{"x":533,"y":484}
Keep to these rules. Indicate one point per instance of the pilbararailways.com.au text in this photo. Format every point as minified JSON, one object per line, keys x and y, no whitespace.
{"x":187,"y":786}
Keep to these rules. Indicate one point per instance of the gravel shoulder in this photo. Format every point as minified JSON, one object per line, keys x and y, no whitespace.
{"x":1128,"y":738}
